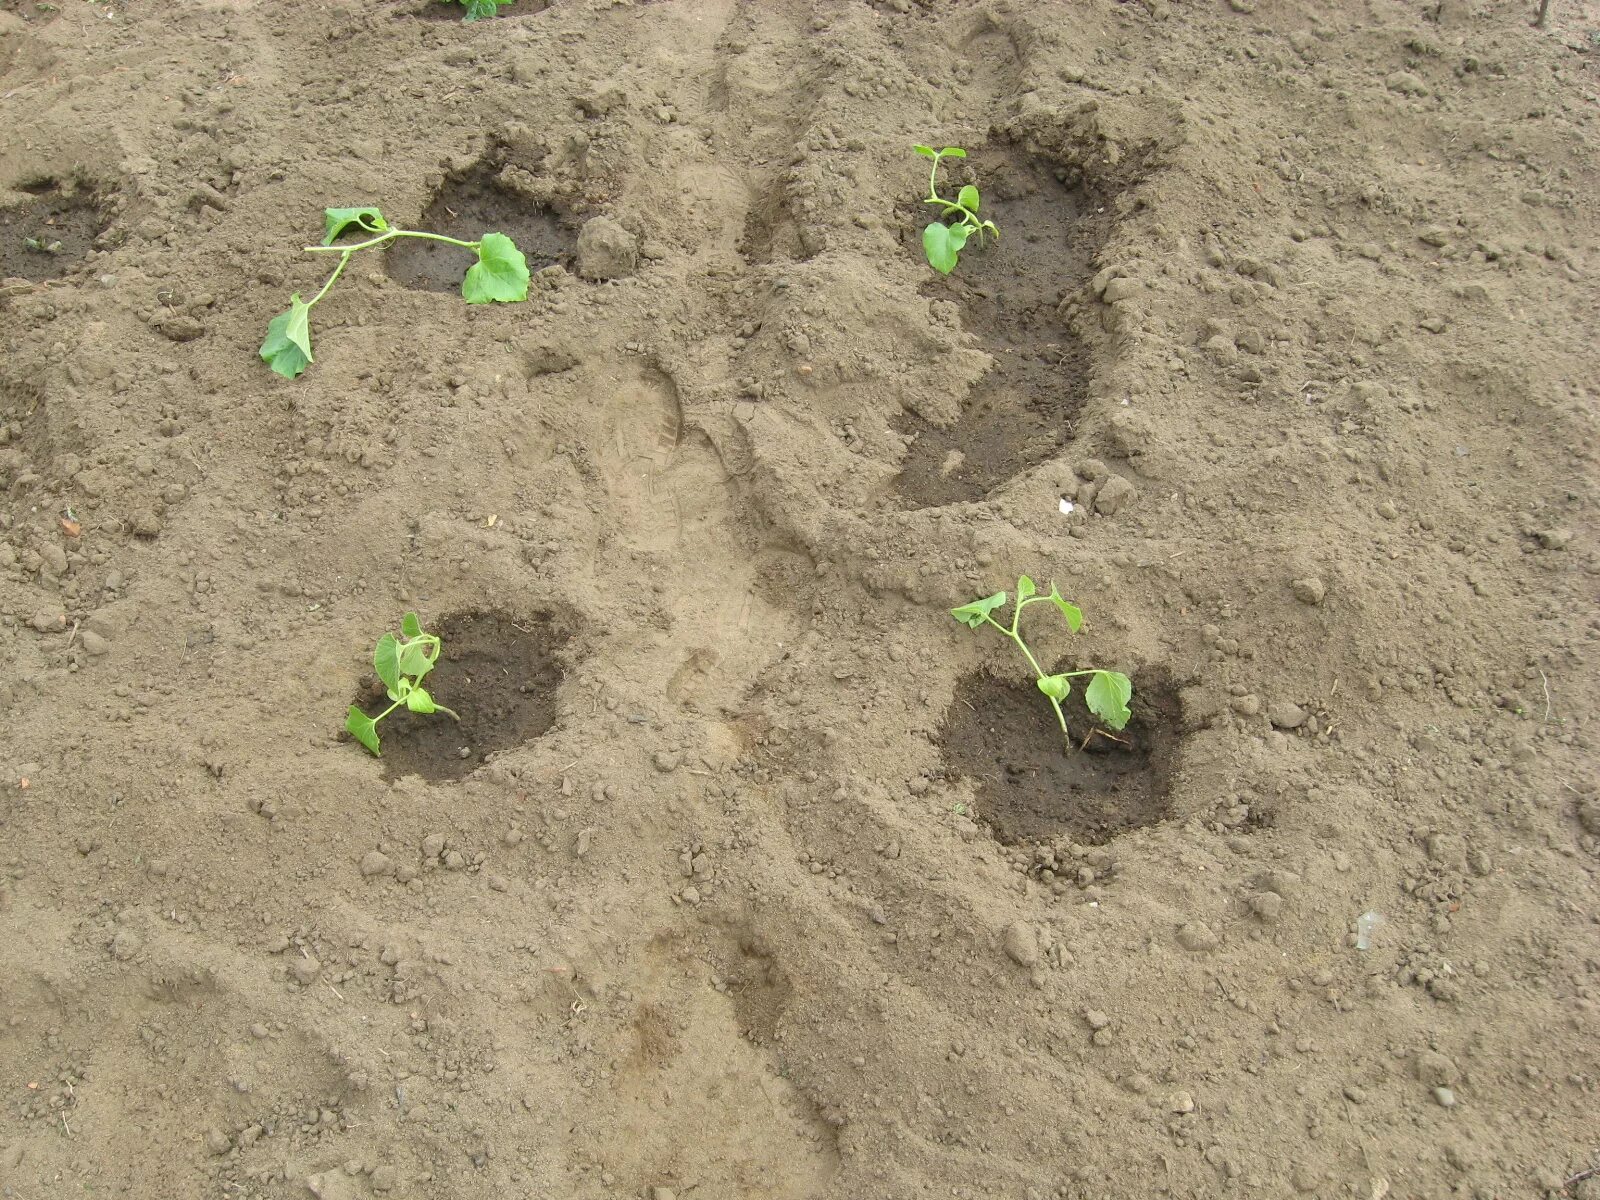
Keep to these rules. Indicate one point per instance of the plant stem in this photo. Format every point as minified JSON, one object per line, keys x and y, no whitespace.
{"x":344,"y":261}
{"x":449,"y":712}
{"x":968,"y":217}
{"x":389,"y":236}
{"x":1016,"y":612}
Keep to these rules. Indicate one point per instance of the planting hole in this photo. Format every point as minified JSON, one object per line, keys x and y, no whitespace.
{"x":499,"y":673}
{"x":49,"y":233}
{"x":467,"y":207}
{"x":1002,"y":735}
{"x":438,"y":10}
{"x":1022,"y":411}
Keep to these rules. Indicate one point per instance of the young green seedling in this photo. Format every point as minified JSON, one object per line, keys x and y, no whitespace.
{"x":500,"y":274}
{"x":1108,"y":692}
{"x":477,"y":9}
{"x":402,"y":663}
{"x":941,"y":241}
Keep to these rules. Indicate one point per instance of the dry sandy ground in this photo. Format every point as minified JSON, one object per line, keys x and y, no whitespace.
{"x":748,"y":872}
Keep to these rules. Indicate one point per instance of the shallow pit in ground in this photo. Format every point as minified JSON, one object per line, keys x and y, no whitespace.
{"x":467,"y":206}
{"x":31,"y":10}
{"x":1002,"y":735}
{"x":450,"y":10}
{"x":1051,"y":227}
{"x":500,"y":673}
{"x":50,"y":232}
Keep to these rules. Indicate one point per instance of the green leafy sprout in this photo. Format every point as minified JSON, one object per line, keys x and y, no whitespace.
{"x":942,"y":241}
{"x":1107,"y":693}
{"x":500,"y":275}
{"x":478,"y":9}
{"x":402,"y":663}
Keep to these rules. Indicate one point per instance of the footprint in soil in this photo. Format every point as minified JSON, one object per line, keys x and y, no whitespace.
{"x":1032,"y":788}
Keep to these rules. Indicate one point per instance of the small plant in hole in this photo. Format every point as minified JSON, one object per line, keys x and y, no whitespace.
{"x":478,"y":9}
{"x":1107,"y":693}
{"x":499,"y":275}
{"x":402,"y":663}
{"x":943,"y":240}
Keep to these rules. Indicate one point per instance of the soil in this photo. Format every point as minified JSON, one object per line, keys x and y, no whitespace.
{"x":1029,"y":792}
{"x":498,"y":674}
{"x":763,"y":877}
{"x":466,"y":207}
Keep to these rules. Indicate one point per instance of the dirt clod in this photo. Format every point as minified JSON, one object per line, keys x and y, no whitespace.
{"x":606,"y":250}
{"x":1021,"y":944}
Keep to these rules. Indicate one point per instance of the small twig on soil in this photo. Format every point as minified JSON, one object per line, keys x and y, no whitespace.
{"x":1543,"y":18}
{"x":1581,"y":1175}
{"x":1545,"y":683}
{"x":1093,"y":733}
{"x":333,"y":989}
{"x":73,"y":636}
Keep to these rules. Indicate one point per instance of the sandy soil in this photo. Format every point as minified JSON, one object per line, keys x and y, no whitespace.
{"x":749,"y":872}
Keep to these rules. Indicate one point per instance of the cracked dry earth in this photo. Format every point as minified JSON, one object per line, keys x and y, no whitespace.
{"x":749,"y":873}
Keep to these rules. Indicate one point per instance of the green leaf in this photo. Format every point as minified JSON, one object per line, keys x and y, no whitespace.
{"x":411,"y":625}
{"x":959,"y":235}
{"x":936,"y":245}
{"x":287,"y":348}
{"x":500,"y":274}
{"x":972,"y":615}
{"x":363,"y":728}
{"x":418,"y":701}
{"x":1025,"y":588}
{"x":1071,"y":612}
{"x":953,"y":152}
{"x":989,"y":227}
{"x":1108,"y":695}
{"x":337,"y":220}
{"x":478,"y":9}
{"x":417,"y":657}
{"x":386,"y":662}
{"x":926,"y":151}
{"x":967,"y":197}
{"x":1056,"y":687}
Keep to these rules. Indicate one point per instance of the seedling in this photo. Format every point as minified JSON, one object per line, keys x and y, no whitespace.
{"x":42,"y":246}
{"x":477,"y":9}
{"x":402,"y":663}
{"x":1107,"y":693}
{"x":500,"y":274}
{"x":942,"y":241}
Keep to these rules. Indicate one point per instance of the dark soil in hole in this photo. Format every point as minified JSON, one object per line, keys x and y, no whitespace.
{"x":438,"y":10}
{"x":47,"y":236}
{"x":1002,"y":735}
{"x":28,"y":10}
{"x":1021,"y":412}
{"x":467,"y":207}
{"x":498,"y":673}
